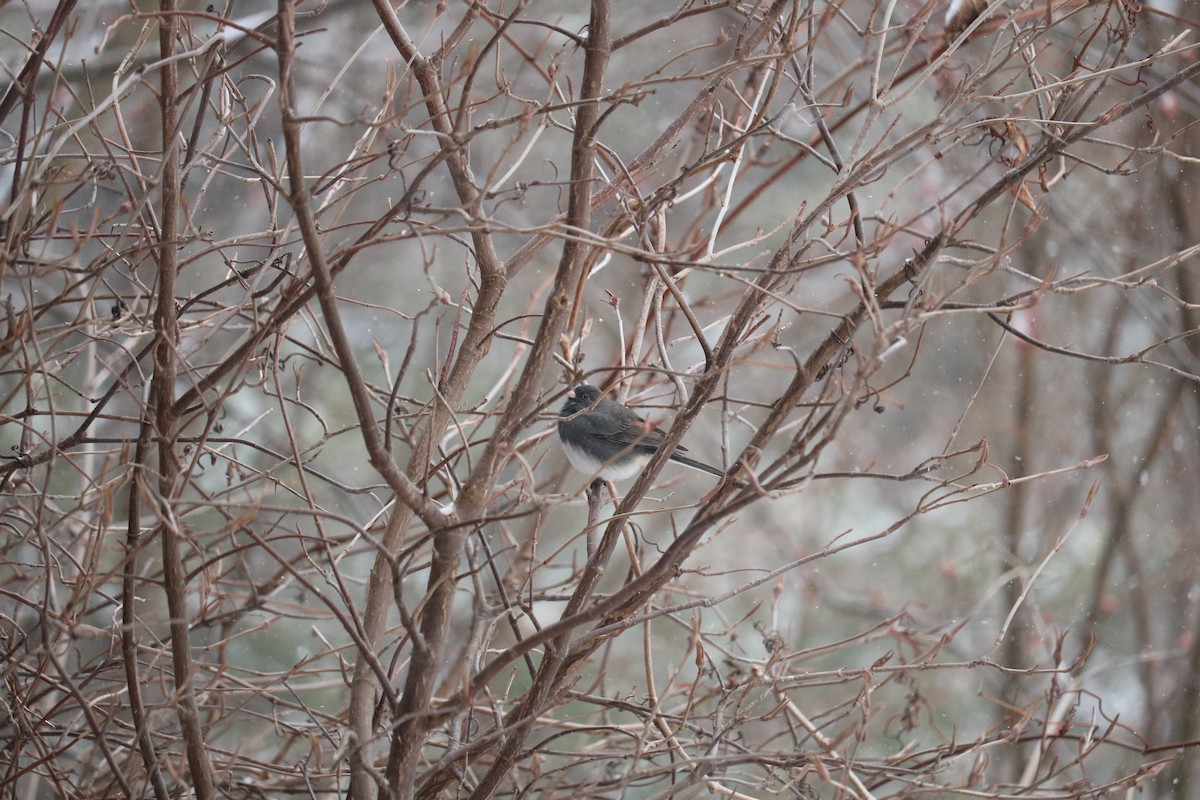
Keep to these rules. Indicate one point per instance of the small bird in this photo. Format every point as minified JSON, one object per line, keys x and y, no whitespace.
{"x":604,"y":438}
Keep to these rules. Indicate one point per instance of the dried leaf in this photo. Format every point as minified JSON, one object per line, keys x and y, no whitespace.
{"x":961,"y":14}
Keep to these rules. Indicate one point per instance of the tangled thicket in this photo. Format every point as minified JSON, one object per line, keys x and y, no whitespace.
{"x":291,"y":298}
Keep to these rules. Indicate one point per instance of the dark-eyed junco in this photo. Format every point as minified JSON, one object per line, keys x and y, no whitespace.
{"x":604,"y":438}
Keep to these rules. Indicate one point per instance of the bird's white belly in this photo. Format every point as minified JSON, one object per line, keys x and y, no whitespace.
{"x":618,"y":470}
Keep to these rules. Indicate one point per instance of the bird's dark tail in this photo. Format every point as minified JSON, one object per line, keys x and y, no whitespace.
{"x":694,"y":464}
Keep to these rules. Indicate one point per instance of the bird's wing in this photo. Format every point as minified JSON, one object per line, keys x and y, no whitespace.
{"x":628,"y":429}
